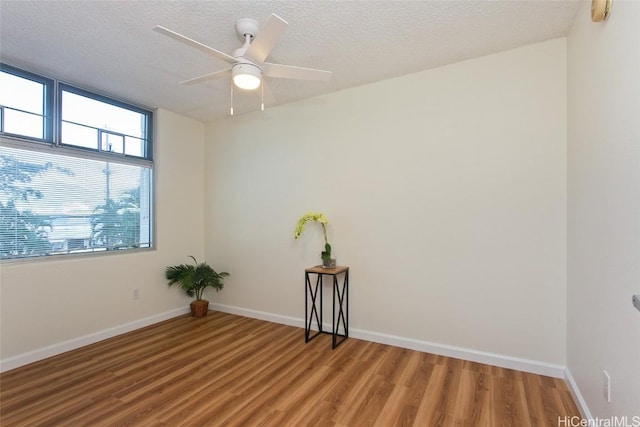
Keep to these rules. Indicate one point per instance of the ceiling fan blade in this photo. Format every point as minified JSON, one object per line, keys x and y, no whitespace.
{"x":202,"y":47}
{"x":291,"y":72}
{"x":206,"y":77}
{"x":266,"y":38}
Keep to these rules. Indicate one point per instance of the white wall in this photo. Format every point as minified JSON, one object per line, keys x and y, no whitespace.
{"x":604,"y":207}
{"x":446,"y":195}
{"x":46,"y":302}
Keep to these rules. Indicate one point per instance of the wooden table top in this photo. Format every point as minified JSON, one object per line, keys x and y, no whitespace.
{"x":318,"y":269}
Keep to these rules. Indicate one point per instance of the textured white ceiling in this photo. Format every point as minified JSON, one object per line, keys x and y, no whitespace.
{"x":108,"y":46}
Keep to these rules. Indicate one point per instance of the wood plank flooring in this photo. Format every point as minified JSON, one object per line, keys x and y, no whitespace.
{"x":227,"y":370}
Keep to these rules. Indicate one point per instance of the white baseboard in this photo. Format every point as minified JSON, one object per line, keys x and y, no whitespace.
{"x":261,"y":315}
{"x":494,"y":359}
{"x":500,"y":360}
{"x":577,"y":396}
{"x":72,"y":344}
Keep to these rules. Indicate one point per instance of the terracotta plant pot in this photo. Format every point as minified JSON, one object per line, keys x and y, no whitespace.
{"x":199,"y":308}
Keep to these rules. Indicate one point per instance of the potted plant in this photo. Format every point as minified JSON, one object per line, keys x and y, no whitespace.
{"x":194,"y":279}
{"x":327,"y":260}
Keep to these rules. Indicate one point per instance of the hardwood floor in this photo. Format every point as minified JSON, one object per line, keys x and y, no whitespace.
{"x":230,"y":370}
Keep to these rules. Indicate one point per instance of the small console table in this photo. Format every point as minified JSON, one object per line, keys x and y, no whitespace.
{"x":313,"y":303}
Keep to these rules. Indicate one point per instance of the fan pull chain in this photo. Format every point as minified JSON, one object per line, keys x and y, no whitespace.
{"x":231,"y":109}
{"x":262,"y":100}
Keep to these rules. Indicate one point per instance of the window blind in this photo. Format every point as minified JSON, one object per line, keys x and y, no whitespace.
{"x":52,"y":204}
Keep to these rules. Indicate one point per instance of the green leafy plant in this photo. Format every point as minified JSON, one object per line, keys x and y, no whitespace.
{"x":116,"y":224}
{"x":194,"y":279}
{"x":322,"y":220}
{"x":23,"y":232}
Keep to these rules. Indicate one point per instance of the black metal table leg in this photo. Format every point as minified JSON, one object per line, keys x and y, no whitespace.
{"x":313,"y":292}
{"x":342,"y":297}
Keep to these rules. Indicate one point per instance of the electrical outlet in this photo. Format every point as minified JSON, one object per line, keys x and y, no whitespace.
{"x":607,"y":386}
{"x":136,"y":293}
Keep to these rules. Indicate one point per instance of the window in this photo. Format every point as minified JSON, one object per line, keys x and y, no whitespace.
{"x":89,"y":122}
{"x":86,"y":187}
{"x":25,"y":104}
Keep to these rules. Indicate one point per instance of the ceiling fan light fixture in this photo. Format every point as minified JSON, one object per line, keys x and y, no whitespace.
{"x":247,"y":76}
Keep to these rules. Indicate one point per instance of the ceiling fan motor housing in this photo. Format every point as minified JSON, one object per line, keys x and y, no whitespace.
{"x":247,"y":27}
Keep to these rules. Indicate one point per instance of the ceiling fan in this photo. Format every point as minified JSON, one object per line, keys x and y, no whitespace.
{"x":248,"y":66}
